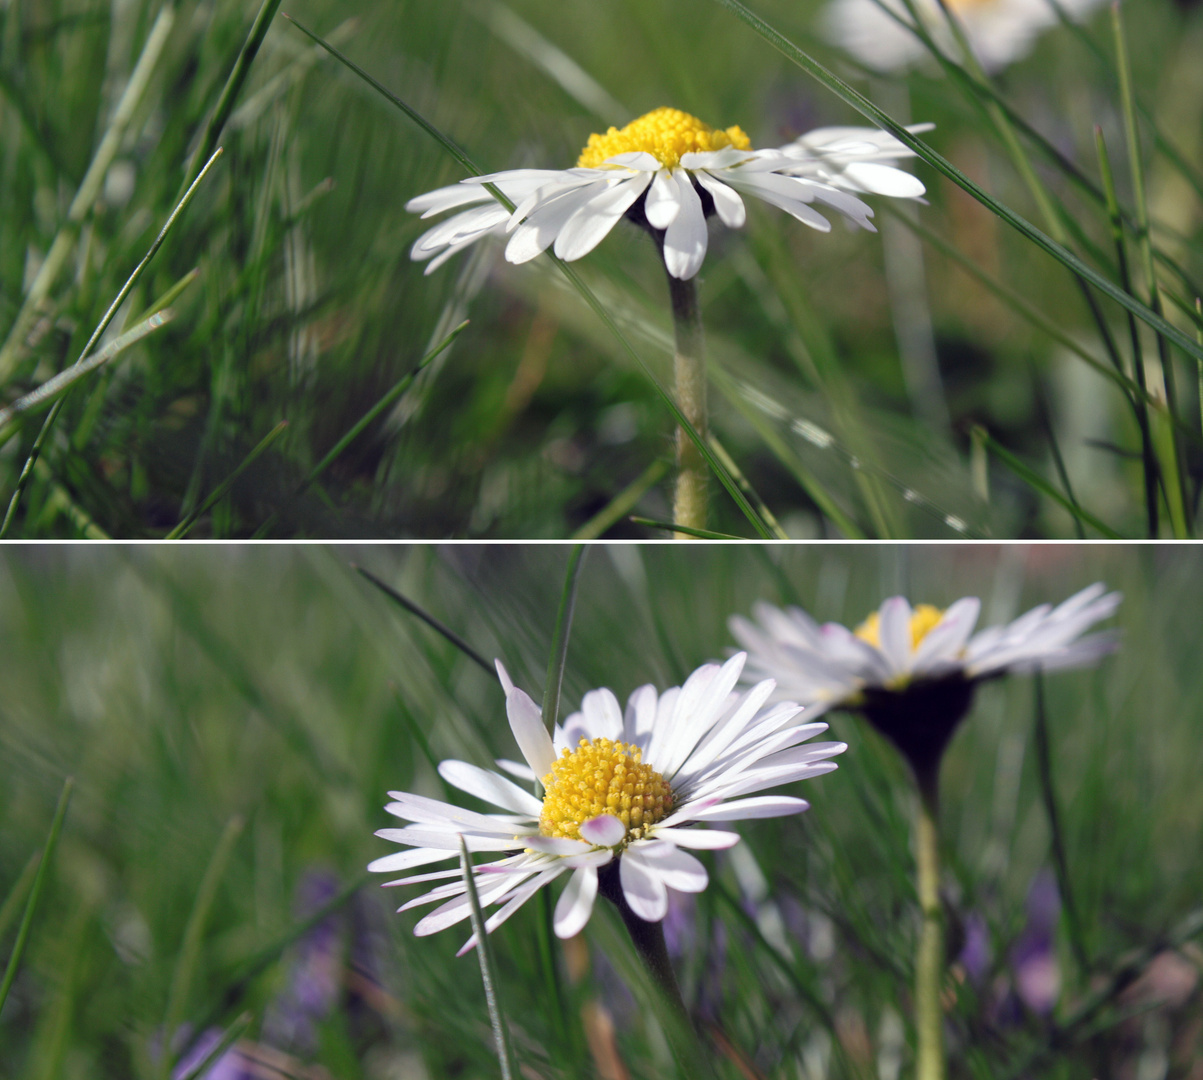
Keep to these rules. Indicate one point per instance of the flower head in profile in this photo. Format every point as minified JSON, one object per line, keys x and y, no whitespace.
{"x":913,"y":671}
{"x":669,"y":172}
{"x":998,"y":31}
{"x":622,"y":791}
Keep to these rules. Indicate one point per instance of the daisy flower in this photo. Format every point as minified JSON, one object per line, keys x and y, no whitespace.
{"x":998,"y":31}
{"x":621,"y":790}
{"x":669,"y":172}
{"x":913,"y":671}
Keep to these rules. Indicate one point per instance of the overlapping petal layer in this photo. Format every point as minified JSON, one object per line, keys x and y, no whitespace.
{"x":711,"y":744}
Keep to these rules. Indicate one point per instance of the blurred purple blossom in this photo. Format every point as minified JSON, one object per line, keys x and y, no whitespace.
{"x":1034,"y":955}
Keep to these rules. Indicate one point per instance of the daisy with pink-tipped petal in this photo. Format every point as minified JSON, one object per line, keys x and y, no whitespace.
{"x":624,"y":792}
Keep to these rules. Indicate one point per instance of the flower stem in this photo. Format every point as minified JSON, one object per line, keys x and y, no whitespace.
{"x":929,"y":960}
{"x":648,"y":939}
{"x":689,"y":370}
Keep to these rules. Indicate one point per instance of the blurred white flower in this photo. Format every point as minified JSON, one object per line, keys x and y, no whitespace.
{"x":620,"y":790}
{"x":998,"y":31}
{"x":898,"y":645}
{"x":669,"y":171}
{"x":913,"y":672}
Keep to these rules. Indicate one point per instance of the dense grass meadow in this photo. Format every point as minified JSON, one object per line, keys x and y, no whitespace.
{"x":233,"y":718}
{"x":946,"y":378}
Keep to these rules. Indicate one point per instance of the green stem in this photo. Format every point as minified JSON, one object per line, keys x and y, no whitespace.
{"x":648,"y":939}
{"x":689,"y":370}
{"x":929,"y":961}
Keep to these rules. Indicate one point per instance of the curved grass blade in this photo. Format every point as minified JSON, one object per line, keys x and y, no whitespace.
{"x":624,"y":502}
{"x":229,"y":92}
{"x":397,"y":389}
{"x":1033,"y":479}
{"x":942,"y":165}
{"x":56,"y":828}
{"x":1173,"y":475}
{"x":745,"y":486}
{"x":570,"y":273}
{"x":222,"y":489}
{"x":48,"y":423}
{"x":185,"y":965}
{"x":1141,"y":402}
{"x":59,"y":384}
{"x":484,"y":951}
{"x":428,"y":619}
{"x":689,"y":530}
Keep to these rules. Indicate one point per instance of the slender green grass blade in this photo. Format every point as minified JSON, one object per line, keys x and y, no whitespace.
{"x":1173,"y":474}
{"x":428,"y":619}
{"x":223,"y":489}
{"x":745,"y":486}
{"x":131,"y":281}
{"x":570,"y":273}
{"x":1148,"y":455}
{"x":86,"y":194}
{"x":55,"y":387}
{"x":689,"y":530}
{"x":234,"y":82}
{"x":484,"y":952}
{"x":228,"y":1038}
{"x":1033,"y":479}
{"x":397,"y":389}
{"x":1046,"y":422}
{"x":12,"y":902}
{"x":1048,"y":793}
{"x":168,"y":298}
{"x":866,"y":108}
{"x":559,"y":648}
{"x":194,"y":930}
{"x":35,"y":892}
{"x":625,"y":501}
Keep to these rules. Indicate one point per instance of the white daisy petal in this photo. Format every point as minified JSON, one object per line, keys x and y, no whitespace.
{"x":490,"y":786}
{"x":663,"y":201}
{"x":643,"y":887}
{"x":605,"y":830}
{"x":576,"y":903}
{"x":760,"y":806}
{"x":526,"y":722}
{"x":727,"y":203}
{"x":699,"y":839}
{"x":686,"y":239}
{"x":590,"y":224}
{"x":723,"y":743}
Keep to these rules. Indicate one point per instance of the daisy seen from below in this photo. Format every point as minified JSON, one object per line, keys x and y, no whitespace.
{"x":621,"y":790}
{"x":912,"y":673}
{"x":998,"y":31}
{"x":668,"y":172}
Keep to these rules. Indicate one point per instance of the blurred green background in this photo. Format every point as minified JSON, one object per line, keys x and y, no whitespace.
{"x":307,"y":308}
{"x":275,"y":687}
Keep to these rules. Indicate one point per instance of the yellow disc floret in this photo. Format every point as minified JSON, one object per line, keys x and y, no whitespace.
{"x":924,"y":619}
{"x":665,"y":133}
{"x":602,"y":777}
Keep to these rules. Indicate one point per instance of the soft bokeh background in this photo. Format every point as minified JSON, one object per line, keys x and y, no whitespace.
{"x":278,"y":688}
{"x":307,"y":308}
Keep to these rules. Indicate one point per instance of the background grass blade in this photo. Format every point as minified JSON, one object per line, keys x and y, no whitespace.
{"x":190,"y":946}
{"x":35,"y":892}
{"x":866,"y":108}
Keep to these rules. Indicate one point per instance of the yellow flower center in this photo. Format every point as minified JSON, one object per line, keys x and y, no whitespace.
{"x":602,"y":777}
{"x":924,"y":619}
{"x":664,"y":133}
